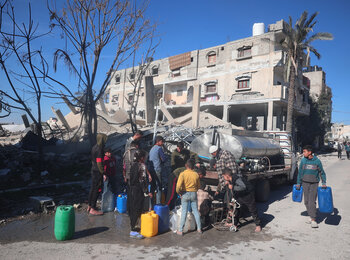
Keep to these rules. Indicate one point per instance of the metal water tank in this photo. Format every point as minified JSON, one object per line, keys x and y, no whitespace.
{"x":239,"y":146}
{"x":258,"y":29}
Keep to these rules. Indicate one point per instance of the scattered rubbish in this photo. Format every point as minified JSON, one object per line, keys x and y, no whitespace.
{"x":42,"y":204}
{"x":77,"y":206}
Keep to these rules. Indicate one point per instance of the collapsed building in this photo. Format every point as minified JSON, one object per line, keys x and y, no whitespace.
{"x":241,"y":82}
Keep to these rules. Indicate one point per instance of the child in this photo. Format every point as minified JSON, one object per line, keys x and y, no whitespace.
{"x":204,"y":203}
{"x":109,"y":181}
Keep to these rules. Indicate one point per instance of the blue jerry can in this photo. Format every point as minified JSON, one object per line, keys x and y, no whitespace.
{"x":325,"y":200}
{"x":163,"y":212}
{"x":297,"y":194}
{"x":121,"y":203}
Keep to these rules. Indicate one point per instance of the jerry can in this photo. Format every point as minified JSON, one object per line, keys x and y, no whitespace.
{"x":64,"y":222}
{"x":121,"y":203}
{"x":297,"y":195}
{"x":325,"y":199}
{"x":149,"y":224}
{"x":163,"y":212}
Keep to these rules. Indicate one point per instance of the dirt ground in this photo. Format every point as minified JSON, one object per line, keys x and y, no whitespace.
{"x":285,"y":234}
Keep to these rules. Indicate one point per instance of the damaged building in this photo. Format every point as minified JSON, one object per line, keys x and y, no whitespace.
{"x":241,"y":82}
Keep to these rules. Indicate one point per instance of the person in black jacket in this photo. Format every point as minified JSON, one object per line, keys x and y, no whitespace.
{"x":138,"y":190}
{"x":239,"y":188}
{"x":97,"y":170}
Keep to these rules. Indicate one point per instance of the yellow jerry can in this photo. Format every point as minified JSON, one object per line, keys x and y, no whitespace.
{"x":149,"y":224}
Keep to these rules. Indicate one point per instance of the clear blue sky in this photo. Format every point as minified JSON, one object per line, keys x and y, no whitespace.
{"x":190,"y":25}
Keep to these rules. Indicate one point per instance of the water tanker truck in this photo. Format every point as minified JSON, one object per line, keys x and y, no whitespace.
{"x":264,"y":157}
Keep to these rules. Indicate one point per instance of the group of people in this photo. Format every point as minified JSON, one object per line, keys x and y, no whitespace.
{"x":343,"y":146}
{"x":148,"y":182}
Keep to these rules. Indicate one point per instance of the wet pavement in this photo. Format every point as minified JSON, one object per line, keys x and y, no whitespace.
{"x":114,"y":228}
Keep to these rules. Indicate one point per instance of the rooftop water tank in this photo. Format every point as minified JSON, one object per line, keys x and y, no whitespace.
{"x":258,"y":29}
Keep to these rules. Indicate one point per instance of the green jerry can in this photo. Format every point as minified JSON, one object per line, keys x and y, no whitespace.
{"x":64,"y":222}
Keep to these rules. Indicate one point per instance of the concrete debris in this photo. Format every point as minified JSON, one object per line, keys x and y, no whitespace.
{"x":42,"y":204}
{"x":205,"y":120}
{"x":120,"y":116}
{"x":14,"y":128}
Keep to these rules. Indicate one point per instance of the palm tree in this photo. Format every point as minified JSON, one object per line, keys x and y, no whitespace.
{"x":297,"y":46}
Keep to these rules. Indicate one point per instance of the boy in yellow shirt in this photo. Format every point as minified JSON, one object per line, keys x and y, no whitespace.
{"x":187,"y":186}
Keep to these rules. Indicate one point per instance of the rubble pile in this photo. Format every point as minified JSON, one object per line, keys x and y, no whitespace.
{"x":206,"y":120}
{"x":19,"y":167}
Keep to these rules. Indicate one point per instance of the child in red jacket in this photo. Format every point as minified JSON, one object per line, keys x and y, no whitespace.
{"x":109,"y":181}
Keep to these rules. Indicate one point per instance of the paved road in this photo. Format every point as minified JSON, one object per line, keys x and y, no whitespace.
{"x":285,"y":235}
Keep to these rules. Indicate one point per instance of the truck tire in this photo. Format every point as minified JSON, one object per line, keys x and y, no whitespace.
{"x":262,"y":190}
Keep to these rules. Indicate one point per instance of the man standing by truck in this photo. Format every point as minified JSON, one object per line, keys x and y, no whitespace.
{"x":310,"y":173}
{"x":224,"y":159}
{"x":181,"y":155}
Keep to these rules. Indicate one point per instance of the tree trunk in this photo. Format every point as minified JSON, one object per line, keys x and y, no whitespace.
{"x":291,"y":100}
{"x":90,"y":115}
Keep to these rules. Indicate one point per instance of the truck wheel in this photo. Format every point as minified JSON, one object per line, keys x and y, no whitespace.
{"x":262,"y":190}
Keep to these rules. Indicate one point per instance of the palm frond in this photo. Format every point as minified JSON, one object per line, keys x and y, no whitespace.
{"x":300,"y":22}
{"x":314,"y":51}
{"x":310,"y":20}
{"x":324,"y":36}
{"x":290,"y":22}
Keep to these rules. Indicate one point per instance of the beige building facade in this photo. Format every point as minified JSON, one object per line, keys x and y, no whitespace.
{"x":339,"y":132}
{"x":241,"y":82}
{"x":316,"y":82}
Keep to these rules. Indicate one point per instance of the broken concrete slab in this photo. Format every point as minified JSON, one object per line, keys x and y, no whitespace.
{"x":120,"y":116}
{"x":166,"y":113}
{"x":63,"y":120}
{"x":205,"y":120}
{"x":42,"y":204}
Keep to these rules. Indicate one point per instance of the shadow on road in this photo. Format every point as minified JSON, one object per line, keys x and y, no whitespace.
{"x":329,"y":218}
{"x":89,"y":232}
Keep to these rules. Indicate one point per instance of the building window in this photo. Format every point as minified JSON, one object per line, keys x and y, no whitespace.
{"x":131,"y":98}
{"x":115,"y":99}
{"x":132,"y":75}
{"x":117,"y":79}
{"x":243,"y":84}
{"x":155,"y":71}
{"x":211,"y":57}
{"x":245,"y":52}
{"x":211,"y":88}
{"x":179,"y":93}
